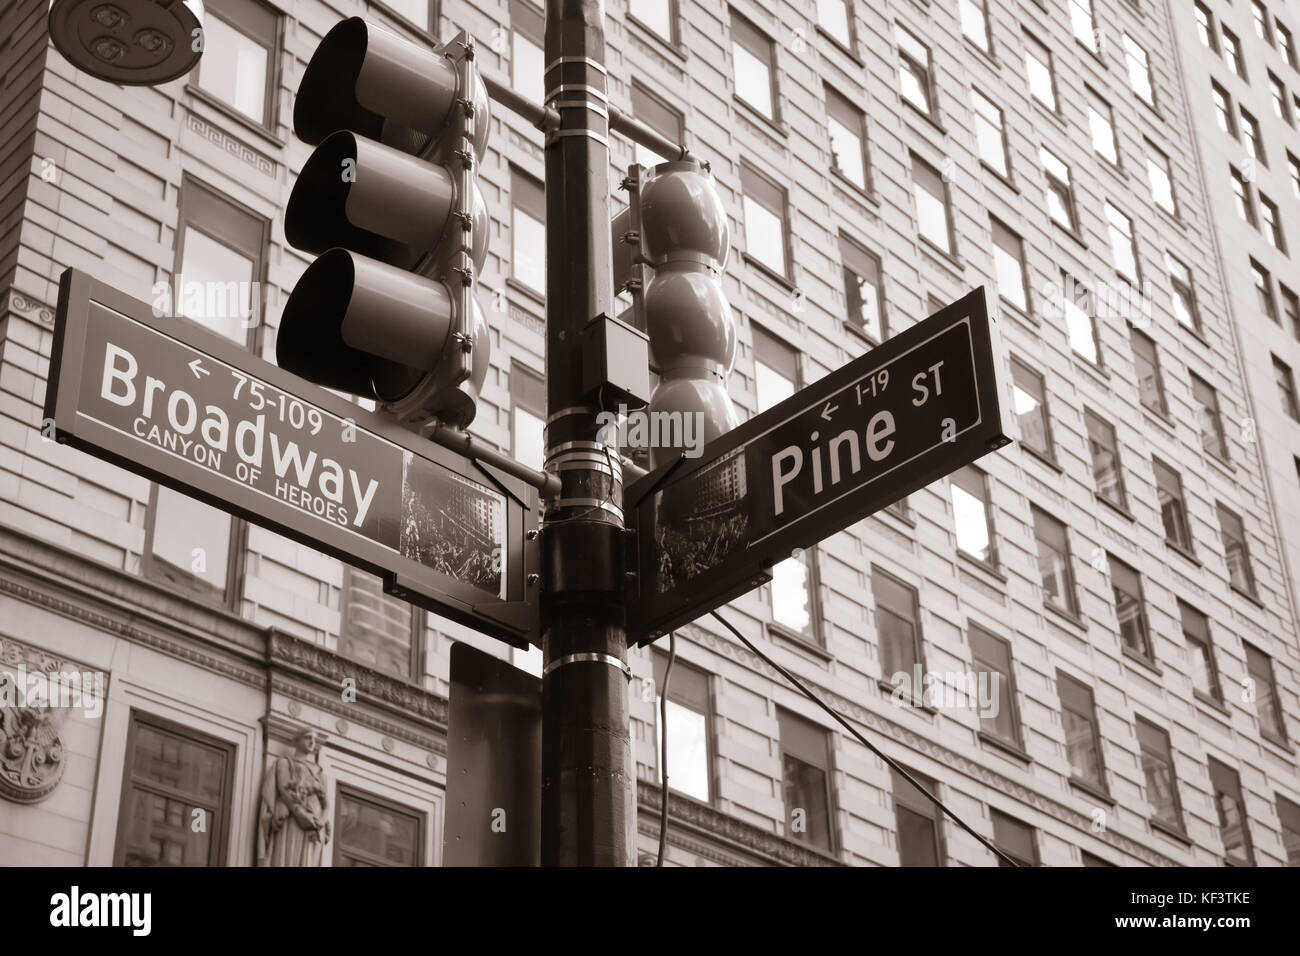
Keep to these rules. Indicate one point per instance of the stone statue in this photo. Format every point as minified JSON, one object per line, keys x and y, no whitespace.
{"x":293,"y":824}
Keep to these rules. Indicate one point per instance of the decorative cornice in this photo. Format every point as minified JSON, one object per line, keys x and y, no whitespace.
{"x":357,"y":715}
{"x":708,"y":821}
{"x":915,"y":741}
{"x":34,"y":308}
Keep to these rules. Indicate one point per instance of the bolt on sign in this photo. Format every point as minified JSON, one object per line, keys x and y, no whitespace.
{"x":918,"y":407}
{"x":168,"y":399}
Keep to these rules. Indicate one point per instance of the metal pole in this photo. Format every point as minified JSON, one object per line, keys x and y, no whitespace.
{"x":588,"y":797}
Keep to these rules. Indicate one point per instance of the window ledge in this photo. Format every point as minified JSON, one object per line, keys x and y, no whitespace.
{"x":1072,"y":233}
{"x":990,"y":570}
{"x":1169,"y":830}
{"x":1098,"y":371}
{"x":888,"y":690}
{"x":1053,"y":114}
{"x":1160,"y":420}
{"x":230,"y":113}
{"x":1116,"y":170}
{"x":774,"y":126}
{"x":402,"y":22}
{"x":1119,"y":509}
{"x":1144,"y":662}
{"x":1173,"y":218}
{"x":768,"y":271}
{"x":866,"y":194}
{"x":1179,"y":549}
{"x":990,"y":58}
{"x":1212,"y":702}
{"x":1005,"y":746}
{"x":1095,"y":54}
{"x":860,"y":333}
{"x":951,"y":258}
{"x":1281,"y":743}
{"x":1193,"y":331}
{"x":668,"y":46}
{"x":1073,"y":617}
{"x":839,"y":45}
{"x":928,"y":117}
{"x":526,"y":289}
{"x":1004,"y":178}
{"x":1092,"y":790}
{"x":1223,"y":464}
{"x":802,"y":643}
{"x":1042,"y":457}
{"x":1252,"y":598}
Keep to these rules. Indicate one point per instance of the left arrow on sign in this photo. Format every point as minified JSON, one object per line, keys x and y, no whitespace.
{"x":198,"y":370}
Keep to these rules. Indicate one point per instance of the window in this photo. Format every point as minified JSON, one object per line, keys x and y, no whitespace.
{"x":1082,"y":737}
{"x":1054,"y":569}
{"x":836,"y":18}
{"x":862,"y":290}
{"x":1130,"y":609}
{"x":1106,"y":470}
{"x":527,"y":57}
{"x":1205,"y":400}
{"x":1236,"y":550}
{"x":417,"y":11}
{"x":660,"y":117}
{"x":1173,"y":510}
{"x":528,"y":230}
{"x":1079,"y":322}
{"x":1205,"y":27}
{"x":1101,"y":127}
{"x":369,"y":831}
{"x":1014,"y":838}
{"x":1241,"y":197}
{"x":1291,"y":308}
{"x":1060,"y":190}
{"x":241,"y":45}
{"x":1009,"y":265}
{"x":914,"y":79}
{"x":805,"y":780}
{"x":1260,"y":16}
{"x":917,"y":819}
{"x":377,"y":630}
{"x":1264,"y":290}
{"x":1039,"y":70}
{"x":792,"y":591}
{"x":1233,"y":827}
{"x":1139,"y":70}
{"x":764,"y":206}
{"x":1252,"y":137}
{"x":1200,"y":652}
{"x":1286,"y":46}
{"x":973,"y":514}
{"x":847,"y":128}
{"x":690,"y":766}
{"x":975,"y":22}
{"x":1277,"y":93}
{"x":1161,"y":780}
{"x":1151,"y":384}
{"x":991,"y":655}
{"x":1286,"y":388}
{"x":1184,"y":293}
{"x":1162,"y":186}
{"x":191,"y":546}
{"x":932,"y":214}
{"x":990,"y":133}
{"x":1123,"y":247}
{"x":170,"y":772}
{"x":754,"y":58}
{"x":1232,"y":52}
{"x":1030,"y":405}
{"x":898,"y":626}
{"x":1272,"y":224}
{"x":1268,"y":707}
{"x":1083,"y":23}
{"x":527,"y":416}
{"x":221,"y":256}
{"x":1223,"y":109}
{"x":1288,"y":815}
{"x":660,"y":16}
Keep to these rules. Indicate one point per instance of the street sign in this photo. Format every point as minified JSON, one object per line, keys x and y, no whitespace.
{"x":166,"y":398}
{"x":918,"y":407}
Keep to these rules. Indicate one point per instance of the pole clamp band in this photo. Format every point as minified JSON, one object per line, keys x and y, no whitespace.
{"x":589,"y":657}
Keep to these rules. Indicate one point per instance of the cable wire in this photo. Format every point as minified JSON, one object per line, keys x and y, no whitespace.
{"x":663,"y":746}
{"x":898,"y":768}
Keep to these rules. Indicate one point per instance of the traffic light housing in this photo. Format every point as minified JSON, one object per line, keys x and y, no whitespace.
{"x":670,"y":248}
{"x":390,"y":204}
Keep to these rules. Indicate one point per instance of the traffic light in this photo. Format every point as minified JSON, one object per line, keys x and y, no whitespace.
{"x":670,"y":248}
{"x":390,"y":203}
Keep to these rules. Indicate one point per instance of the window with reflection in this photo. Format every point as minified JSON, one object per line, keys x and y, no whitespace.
{"x":1158,"y":771}
{"x":1040,"y":72}
{"x":1080,"y":325}
{"x":754,"y":58}
{"x":864,"y":303}
{"x":972,"y":512}
{"x":1288,"y":815}
{"x":660,"y":117}
{"x":1160,"y":180}
{"x":764,"y":205}
{"x":836,"y":18}
{"x":1015,"y":839}
{"x":527,"y":230}
{"x":1083,"y":23}
{"x":1055,"y":572}
{"x":1130,"y":609}
{"x":1029,"y":402}
{"x":527,"y":53}
{"x":527,"y":415}
{"x":916,"y":82}
{"x":174,"y":777}
{"x":898,"y":625}
{"x":974,"y":16}
{"x":1082,"y":737}
{"x":1123,"y":247}
{"x":689,"y":737}
{"x":1222,"y":101}
{"x":1146,"y":363}
{"x":846,"y":128}
{"x":1173,"y":508}
{"x":930,"y":193}
{"x":659,"y":15}
{"x":1184,"y":293}
{"x":1200,"y":652}
{"x":419,"y":12}
{"x":991,"y":656}
{"x":805,"y":780}
{"x":1101,"y":128}
{"x":1060,"y":190}
{"x":1205,"y":403}
{"x":240,"y":46}
{"x":1236,"y":550}
{"x":369,"y":831}
{"x":1139,"y":70}
{"x":1268,"y":707}
{"x":920,"y":841}
{"x":377,"y":630}
{"x":990,"y":133}
{"x":1234,"y":829}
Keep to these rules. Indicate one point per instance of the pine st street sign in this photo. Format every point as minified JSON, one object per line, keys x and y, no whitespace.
{"x":918,"y":407}
{"x":166,"y":398}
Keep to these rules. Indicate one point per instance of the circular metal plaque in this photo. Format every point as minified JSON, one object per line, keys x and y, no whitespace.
{"x":132,"y":42}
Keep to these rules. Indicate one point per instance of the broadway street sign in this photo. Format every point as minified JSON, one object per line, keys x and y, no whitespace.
{"x":920,"y":406}
{"x":166,"y":398}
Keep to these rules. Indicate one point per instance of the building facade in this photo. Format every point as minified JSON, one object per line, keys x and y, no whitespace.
{"x":1085,"y":644}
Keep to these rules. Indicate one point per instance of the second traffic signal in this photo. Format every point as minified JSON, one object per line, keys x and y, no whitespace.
{"x":389,"y":201}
